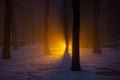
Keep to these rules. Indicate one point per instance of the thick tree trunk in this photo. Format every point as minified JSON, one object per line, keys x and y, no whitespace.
{"x":46,"y":23}
{"x":75,"y":36}
{"x":96,"y":34}
{"x":7,"y":30}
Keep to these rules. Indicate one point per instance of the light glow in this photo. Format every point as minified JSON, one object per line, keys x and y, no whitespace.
{"x":58,"y":49}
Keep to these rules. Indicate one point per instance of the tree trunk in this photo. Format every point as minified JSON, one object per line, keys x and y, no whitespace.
{"x":65,"y":19}
{"x":32,"y":25}
{"x":96,"y":35}
{"x":114,"y":23}
{"x":14,"y":38}
{"x":46,"y":22}
{"x":13,"y":28}
{"x":75,"y":36}
{"x":7,"y":30}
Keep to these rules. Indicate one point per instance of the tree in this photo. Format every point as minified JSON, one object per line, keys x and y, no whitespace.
{"x":13,"y":28}
{"x":96,"y":36}
{"x":65,"y":19}
{"x":1,"y":21}
{"x":46,"y":23}
{"x":113,"y":23}
{"x":32,"y":25}
{"x":7,"y":30}
{"x":75,"y":36}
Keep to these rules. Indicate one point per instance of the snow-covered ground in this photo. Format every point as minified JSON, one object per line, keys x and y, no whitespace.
{"x":29,"y":63}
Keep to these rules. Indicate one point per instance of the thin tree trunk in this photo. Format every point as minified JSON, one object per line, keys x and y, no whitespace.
{"x":113,"y":23}
{"x":7,"y":30}
{"x":65,"y":15}
{"x":75,"y":36}
{"x":13,"y":28}
{"x":96,"y":34}
{"x":33,"y":28}
{"x":14,"y":38}
{"x":46,"y":23}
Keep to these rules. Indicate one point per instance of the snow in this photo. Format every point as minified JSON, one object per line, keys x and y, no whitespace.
{"x":29,"y":63}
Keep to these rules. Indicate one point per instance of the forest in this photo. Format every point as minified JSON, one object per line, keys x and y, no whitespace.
{"x":59,"y":39}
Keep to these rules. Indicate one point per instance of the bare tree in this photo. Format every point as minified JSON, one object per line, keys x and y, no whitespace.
{"x":32,"y":25}
{"x":1,"y":20}
{"x":96,"y":35}
{"x":13,"y":27}
{"x":75,"y":36}
{"x":65,"y":19}
{"x":7,"y":30}
{"x":113,"y":23}
{"x":46,"y":24}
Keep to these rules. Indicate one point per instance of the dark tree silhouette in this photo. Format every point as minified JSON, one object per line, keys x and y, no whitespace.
{"x":33,"y":28}
{"x":46,"y":23}
{"x":7,"y":30}
{"x":29,"y":23}
{"x":13,"y":28}
{"x":1,"y":22}
{"x":114,"y":23}
{"x":96,"y":36}
{"x":65,"y":14}
{"x":75,"y":36}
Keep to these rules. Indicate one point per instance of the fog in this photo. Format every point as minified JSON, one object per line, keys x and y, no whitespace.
{"x":29,"y":22}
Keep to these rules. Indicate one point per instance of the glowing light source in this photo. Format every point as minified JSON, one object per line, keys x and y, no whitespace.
{"x":70,"y":49}
{"x":58,"y":49}
{"x":57,"y":44}
{"x":57,"y":39}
